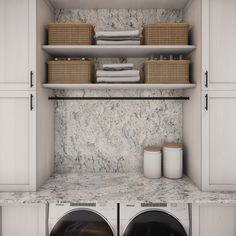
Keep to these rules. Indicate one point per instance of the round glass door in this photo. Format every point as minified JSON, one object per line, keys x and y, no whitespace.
{"x":154,"y":223}
{"x":82,"y":223}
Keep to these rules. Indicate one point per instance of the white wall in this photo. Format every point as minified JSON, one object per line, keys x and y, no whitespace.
{"x":45,"y":108}
{"x":192,"y":109}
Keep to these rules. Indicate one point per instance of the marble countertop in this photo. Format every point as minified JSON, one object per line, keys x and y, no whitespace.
{"x":129,"y":187}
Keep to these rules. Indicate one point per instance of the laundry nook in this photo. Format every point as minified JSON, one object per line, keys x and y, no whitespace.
{"x":117,"y":118}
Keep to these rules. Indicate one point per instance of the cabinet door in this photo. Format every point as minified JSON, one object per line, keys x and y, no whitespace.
{"x":17,"y":141}
{"x":219,"y":48}
{"x":25,"y":220}
{"x":219,"y":140}
{"x":217,"y":220}
{"x":17,"y":43}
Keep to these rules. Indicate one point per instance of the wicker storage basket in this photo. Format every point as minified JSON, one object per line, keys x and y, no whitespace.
{"x":166,"y":34}
{"x":166,"y":72}
{"x":70,"y":34}
{"x":70,"y":72}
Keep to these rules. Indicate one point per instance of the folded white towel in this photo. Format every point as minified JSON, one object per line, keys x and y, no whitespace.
{"x":118,"y":79}
{"x":124,"y":33}
{"x":124,"y":42}
{"x":118,"y":66}
{"x":121,"y":38}
{"x":124,"y":73}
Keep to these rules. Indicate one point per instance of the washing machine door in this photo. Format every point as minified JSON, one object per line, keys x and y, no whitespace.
{"x":154,"y":223}
{"x":82,"y":223}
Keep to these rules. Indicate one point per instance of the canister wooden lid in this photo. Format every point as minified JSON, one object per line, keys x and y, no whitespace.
{"x":152,"y":149}
{"x":173,"y":145}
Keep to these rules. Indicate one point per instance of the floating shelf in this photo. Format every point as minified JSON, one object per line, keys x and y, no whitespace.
{"x":119,"y":86}
{"x":117,"y":51}
{"x":80,"y":4}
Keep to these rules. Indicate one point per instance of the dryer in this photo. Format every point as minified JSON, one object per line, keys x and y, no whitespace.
{"x":148,"y":219}
{"x":82,"y":219}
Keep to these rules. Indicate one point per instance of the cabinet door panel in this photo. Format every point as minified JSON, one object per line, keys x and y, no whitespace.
{"x":219,"y":141}
{"x":25,"y":220}
{"x":217,"y":220}
{"x":219,"y":48}
{"x":17,"y":123}
{"x":15,"y":44}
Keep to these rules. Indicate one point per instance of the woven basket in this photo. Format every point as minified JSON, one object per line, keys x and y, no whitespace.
{"x":166,"y":34}
{"x":70,"y":34}
{"x":70,"y":72}
{"x":166,"y":72}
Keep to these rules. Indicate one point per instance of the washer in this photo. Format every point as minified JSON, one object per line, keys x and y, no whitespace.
{"x":147,"y":219}
{"x":83,"y":219}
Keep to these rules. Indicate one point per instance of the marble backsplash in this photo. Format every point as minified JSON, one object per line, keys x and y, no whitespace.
{"x":118,"y":19}
{"x":109,"y":136}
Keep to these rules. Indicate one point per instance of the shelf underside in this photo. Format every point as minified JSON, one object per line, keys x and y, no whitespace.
{"x":135,"y":4}
{"x":119,"y":86}
{"x":117,"y":51}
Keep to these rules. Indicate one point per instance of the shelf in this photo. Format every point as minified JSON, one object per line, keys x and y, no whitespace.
{"x":135,"y":4}
{"x":119,"y":86}
{"x":116,"y":51}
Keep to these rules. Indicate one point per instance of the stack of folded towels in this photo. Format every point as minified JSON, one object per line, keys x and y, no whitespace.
{"x":131,"y":37}
{"x":118,"y":73}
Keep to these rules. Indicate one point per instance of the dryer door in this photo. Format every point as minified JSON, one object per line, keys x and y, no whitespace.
{"x":82,"y":223}
{"x":154,"y":223}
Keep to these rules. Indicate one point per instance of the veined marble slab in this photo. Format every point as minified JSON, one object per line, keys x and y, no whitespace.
{"x":123,"y":188}
{"x":109,"y":136}
{"x":119,"y":19}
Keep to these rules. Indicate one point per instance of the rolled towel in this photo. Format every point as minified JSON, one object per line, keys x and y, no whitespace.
{"x":122,"y":33}
{"x":118,"y":67}
{"x":118,"y":79}
{"x":125,"y":42}
{"x":124,"y":73}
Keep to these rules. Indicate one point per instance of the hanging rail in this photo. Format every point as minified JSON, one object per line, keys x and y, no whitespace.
{"x":119,"y":98}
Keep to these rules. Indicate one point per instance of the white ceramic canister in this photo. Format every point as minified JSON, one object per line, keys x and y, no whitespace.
{"x":173,"y":160}
{"x":152,"y":162}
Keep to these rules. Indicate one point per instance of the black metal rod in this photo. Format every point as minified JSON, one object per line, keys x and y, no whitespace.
{"x":118,"y":98}
{"x":206,"y":84}
{"x":31,"y":102}
{"x":31,"y":79}
{"x":206,"y":97}
{"x":118,"y":219}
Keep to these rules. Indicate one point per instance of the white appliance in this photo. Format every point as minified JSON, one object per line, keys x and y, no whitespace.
{"x":83,"y":219}
{"x":154,"y":219}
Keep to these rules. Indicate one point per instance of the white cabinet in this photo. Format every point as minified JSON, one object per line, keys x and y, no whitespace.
{"x":210,"y":132}
{"x":25,"y":220}
{"x":17,"y":44}
{"x":218,"y":140}
{"x":217,"y":220}
{"x":219,"y":47}
{"x":219,"y":94}
{"x":17,"y":140}
{"x":26,"y":114}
